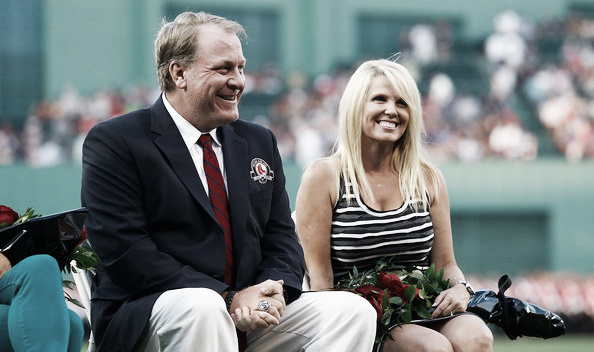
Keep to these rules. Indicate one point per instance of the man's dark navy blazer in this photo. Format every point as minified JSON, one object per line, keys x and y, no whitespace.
{"x":151,"y":222}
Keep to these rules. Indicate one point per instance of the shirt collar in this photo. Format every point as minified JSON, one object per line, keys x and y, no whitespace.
{"x":189,"y":133}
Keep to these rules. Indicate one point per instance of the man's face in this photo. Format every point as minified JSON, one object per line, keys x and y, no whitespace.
{"x":215,"y":81}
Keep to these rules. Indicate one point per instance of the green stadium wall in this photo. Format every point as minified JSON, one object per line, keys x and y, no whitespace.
{"x":507,"y":217}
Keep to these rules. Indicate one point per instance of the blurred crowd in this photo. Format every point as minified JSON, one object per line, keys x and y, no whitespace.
{"x":563,"y":94}
{"x":528,"y":84}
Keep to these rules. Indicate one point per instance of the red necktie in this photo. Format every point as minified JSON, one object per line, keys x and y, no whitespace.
{"x":218,"y":200}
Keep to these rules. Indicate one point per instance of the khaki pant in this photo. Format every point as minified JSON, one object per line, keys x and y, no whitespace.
{"x":196,"y":319}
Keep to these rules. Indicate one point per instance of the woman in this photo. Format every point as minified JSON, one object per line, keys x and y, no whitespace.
{"x":377,"y":196}
{"x":33,"y":312}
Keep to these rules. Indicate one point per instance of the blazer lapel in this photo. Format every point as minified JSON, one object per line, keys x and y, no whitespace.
{"x":171,"y":144}
{"x":235,"y":150}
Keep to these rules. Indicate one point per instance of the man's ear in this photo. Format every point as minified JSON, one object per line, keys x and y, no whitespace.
{"x":177,"y":73}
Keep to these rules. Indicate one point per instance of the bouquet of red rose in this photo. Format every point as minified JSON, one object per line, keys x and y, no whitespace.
{"x":59,"y":235}
{"x":400,"y":294}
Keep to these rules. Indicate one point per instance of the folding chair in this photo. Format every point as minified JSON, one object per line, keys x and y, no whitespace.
{"x":83,"y":279}
{"x":305,"y":284}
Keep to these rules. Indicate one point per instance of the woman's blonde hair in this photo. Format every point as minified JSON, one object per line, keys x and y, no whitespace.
{"x":409,"y":159}
{"x":176,"y":41}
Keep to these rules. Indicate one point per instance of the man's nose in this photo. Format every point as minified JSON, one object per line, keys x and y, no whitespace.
{"x":237,"y":80}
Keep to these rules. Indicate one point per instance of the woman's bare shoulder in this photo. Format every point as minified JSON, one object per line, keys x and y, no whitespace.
{"x":323,"y":169}
{"x":319,"y":180}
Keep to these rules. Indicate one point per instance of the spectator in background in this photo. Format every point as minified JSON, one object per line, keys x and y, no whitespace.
{"x":506,"y":46}
{"x":540,"y":63}
{"x":424,"y":44}
{"x":509,"y":140}
{"x":9,"y":144}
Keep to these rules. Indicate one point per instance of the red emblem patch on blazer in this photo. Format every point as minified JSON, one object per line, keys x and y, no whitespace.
{"x":261,"y":171}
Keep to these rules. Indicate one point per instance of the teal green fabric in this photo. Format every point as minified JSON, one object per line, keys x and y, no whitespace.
{"x":33,"y":312}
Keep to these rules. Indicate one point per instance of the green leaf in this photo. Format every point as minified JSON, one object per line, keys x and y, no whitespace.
{"x":430,"y":291}
{"x":440,"y":275}
{"x":28,"y":214}
{"x":422,"y":312}
{"x":417,"y":275}
{"x":396,"y":301}
{"x":84,"y":258}
{"x":406,"y":315}
{"x":385,"y":298}
{"x":409,"y":293}
{"x":422,"y":294}
{"x":68,"y":284}
{"x":387,"y":316}
{"x":75,"y":302}
{"x":431,"y":272}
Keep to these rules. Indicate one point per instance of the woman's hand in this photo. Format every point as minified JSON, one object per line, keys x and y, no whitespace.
{"x":451,"y":301}
{"x":4,"y":265}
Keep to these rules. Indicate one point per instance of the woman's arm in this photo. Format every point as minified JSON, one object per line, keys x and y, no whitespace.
{"x":456,"y":298}
{"x":315,"y":200}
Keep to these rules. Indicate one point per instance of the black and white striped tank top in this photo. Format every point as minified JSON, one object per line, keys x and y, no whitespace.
{"x":360,"y":236}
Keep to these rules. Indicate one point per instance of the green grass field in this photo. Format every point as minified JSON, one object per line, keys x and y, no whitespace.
{"x":567,"y":343}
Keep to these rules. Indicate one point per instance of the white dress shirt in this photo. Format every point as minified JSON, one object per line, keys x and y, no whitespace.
{"x":190,"y":135}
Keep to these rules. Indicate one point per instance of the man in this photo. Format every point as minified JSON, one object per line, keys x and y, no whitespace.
{"x":178,"y":273}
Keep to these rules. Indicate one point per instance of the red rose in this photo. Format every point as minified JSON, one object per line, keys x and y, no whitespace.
{"x":7,"y":216}
{"x":369,"y":291}
{"x":83,"y":236}
{"x":392,"y":283}
{"x":395,"y":286}
{"x":417,"y":297}
{"x":378,"y":309}
{"x":373,"y":295}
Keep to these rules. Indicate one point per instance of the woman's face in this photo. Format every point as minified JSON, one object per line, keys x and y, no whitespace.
{"x":386,"y":114}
